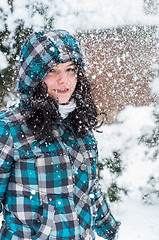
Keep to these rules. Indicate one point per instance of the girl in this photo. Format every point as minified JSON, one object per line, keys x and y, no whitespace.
{"x":48,"y":155}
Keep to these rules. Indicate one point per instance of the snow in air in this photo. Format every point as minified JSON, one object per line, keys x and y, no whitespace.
{"x":139,"y":211}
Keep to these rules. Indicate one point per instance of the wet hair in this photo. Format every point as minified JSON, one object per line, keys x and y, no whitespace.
{"x":44,"y":110}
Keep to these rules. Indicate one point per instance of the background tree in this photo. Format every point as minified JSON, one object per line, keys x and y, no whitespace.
{"x":14,"y":30}
{"x":150,"y":192}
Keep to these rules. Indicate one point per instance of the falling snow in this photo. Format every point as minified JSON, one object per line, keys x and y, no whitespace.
{"x":138,"y":214}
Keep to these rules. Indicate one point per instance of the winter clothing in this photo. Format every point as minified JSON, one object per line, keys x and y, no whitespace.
{"x":49,"y":191}
{"x":40,"y":53}
{"x":52,"y":189}
{"x":65,"y":109}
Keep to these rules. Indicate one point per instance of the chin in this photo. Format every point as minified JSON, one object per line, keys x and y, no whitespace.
{"x":64,"y":101}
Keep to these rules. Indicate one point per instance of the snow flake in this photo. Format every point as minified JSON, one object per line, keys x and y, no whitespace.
{"x":33,"y":191}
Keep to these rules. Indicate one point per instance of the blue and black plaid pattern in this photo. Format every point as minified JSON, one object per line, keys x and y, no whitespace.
{"x":50,"y":191}
{"x":42,"y":51}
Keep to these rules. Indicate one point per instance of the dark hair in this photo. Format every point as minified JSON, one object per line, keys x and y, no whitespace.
{"x":44,"y":110}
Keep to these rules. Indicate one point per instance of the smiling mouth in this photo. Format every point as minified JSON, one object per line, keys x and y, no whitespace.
{"x":62,"y":90}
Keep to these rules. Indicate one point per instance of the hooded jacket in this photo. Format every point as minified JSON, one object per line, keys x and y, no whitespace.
{"x":49,"y":191}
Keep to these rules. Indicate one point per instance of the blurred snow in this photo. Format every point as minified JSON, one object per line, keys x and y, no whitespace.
{"x":155,"y":86}
{"x":139,"y":221}
{"x":133,"y":123}
{"x":3,"y":61}
{"x":84,"y":14}
{"x":92,"y":14}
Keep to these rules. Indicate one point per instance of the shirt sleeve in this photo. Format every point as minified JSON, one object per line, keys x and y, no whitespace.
{"x":6,"y":158}
{"x":105,"y":224}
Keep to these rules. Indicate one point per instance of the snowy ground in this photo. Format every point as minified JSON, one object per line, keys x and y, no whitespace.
{"x":138,"y":221}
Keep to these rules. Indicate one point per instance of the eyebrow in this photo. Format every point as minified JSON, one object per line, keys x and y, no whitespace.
{"x":69,"y":65}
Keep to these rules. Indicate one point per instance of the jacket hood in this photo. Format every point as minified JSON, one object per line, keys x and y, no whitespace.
{"x":42,"y":51}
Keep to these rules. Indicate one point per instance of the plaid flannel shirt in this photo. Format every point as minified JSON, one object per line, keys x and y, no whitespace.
{"x":50,"y":191}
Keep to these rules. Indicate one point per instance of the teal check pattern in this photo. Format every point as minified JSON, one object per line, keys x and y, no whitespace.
{"x":50,"y":191}
{"x":42,"y":51}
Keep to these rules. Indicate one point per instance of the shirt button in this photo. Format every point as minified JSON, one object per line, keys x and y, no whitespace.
{"x":87,"y":231}
{"x":83,"y":167}
{"x":71,"y":137}
{"x":70,"y":188}
{"x":84,"y":197}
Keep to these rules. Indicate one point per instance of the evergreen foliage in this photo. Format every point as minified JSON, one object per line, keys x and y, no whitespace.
{"x":115,"y":167}
{"x":12,"y":39}
{"x":150,"y":193}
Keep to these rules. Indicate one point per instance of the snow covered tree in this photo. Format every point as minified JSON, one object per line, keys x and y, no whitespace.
{"x":18,"y":20}
{"x":114,"y":165}
{"x":151,"y":190}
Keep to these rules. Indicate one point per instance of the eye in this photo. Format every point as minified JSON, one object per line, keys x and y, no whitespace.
{"x":71,"y":69}
{"x":52,"y":70}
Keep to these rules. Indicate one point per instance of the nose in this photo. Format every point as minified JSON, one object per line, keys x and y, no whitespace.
{"x":63,"y":78}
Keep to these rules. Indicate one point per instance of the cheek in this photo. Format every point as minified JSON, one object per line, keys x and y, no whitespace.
{"x":74,"y":82}
{"x":48,"y":81}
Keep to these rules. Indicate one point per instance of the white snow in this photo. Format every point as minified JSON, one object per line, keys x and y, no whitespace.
{"x":3,"y":61}
{"x":88,"y":14}
{"x":155,"y":86}
{"x":139,"y":221}
{"x":82,"y":15}
{"x":33,"y":192}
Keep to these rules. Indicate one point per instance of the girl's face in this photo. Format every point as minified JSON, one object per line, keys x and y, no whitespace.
{"x":61,"y":82}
